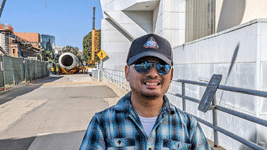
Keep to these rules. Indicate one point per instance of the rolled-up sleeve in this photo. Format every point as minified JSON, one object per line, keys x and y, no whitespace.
{"x":93,"y":138}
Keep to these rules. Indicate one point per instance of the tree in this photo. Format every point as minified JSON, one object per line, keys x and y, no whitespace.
{"x":87,"y":47}
{"x":73,"y":50}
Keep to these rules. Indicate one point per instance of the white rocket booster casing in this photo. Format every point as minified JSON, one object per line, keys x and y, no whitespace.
{"x":68,"y":61}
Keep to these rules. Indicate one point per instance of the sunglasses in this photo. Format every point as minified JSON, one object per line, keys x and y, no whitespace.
{"x":144,"y":66}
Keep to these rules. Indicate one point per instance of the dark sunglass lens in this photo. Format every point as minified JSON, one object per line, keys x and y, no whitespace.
{"x":162,"y":69}
{"x":142,"y":67}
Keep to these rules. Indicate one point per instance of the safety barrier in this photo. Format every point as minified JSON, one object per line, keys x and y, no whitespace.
{"x":216,"y":108}
{"x":15,"y":70}
{"x":117,"y":76}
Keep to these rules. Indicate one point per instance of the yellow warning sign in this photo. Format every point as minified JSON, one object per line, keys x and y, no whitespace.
{"x":101,"y":54}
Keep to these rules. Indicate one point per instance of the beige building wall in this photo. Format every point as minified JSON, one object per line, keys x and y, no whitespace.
{"x":231,"y":13}
{"x":30,"y":37}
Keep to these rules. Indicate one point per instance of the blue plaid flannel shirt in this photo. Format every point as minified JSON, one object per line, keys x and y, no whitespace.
{"x":119,"y":127}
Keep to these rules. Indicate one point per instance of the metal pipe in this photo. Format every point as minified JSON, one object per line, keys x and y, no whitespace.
{"x":227,"y":88}
{"x":229,"y":111}
{"x":183,"y":94}
{"x":186,"y":97}
{"x":93,"y":27}
{"x":215,"y":122}
{"x":233,"y":136}
{"x":242,"y":115}
{"x":244,"y":91}
{"x":2,"y":7}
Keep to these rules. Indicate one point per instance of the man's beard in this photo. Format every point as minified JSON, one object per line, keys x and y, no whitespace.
{"x":148,"y":96}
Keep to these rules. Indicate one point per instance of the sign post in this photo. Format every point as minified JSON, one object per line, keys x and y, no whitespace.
{"x":101,"y":54}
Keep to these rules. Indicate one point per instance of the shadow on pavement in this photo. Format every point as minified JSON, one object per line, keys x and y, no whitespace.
{"x":16,"y":144}
{"x":57,"y":141}
{"x":14,"y":92}
{"x":17,"y":92}
{"x":48,"y":79}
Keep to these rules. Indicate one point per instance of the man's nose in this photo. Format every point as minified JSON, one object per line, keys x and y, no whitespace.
{"x":152,"y":72}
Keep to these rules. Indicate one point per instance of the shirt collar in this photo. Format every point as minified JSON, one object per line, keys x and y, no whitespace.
{"x":124,"y":104}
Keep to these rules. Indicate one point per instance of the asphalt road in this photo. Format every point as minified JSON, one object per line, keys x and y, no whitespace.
{"x":51,"y":113}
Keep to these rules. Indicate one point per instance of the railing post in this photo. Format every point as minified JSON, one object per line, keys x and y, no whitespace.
{"x":121,"y":80}
{"x":113,"y":78}
{"x":118,"y":80}
{"x":214,"y":116}
{"x":183,"y":94}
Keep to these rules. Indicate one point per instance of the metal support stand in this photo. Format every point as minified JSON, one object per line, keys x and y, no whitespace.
{"x":209,"y":97}
{"x":100,"y":71}
{"x":183,"y":94}
{"x":214,"y":115}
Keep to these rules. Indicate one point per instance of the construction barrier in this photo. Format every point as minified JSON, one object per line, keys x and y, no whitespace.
{"x":1,"y":73}
{"x":15,"y":70}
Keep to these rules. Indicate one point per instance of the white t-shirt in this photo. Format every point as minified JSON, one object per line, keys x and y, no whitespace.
{"x":148,"y":124}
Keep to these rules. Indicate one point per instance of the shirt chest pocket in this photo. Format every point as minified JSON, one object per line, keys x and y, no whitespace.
{"x":175,"y":145}
{"x":120,"y":144}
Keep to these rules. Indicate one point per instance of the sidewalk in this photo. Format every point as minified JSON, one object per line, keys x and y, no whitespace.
{"x":12,"y":87}
{"x":19,"y":85}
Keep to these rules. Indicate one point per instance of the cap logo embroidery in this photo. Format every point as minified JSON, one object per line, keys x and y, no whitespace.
{"x":151,"y":43}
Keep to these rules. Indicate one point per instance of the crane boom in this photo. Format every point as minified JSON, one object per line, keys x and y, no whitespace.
{"x":2,"y":7}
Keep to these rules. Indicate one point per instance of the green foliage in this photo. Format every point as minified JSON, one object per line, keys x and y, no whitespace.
{"x":73,"y":50}
{"x":87,"y":47}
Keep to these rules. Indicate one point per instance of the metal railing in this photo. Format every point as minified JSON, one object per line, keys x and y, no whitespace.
{"x":117,"y":77}
{"x":215,"y":108}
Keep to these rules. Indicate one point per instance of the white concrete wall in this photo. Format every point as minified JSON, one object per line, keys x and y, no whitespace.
{"x":239,"y":55}
{"x":167,"y":19}
{"x":115,"y":44}
{"x":231,"y":13}
{"x":173,"y":20}
{"x":3,"y":41}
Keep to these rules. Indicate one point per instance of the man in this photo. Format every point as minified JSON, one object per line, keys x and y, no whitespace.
{"x":144,"y":118}
{"x":57,"y":70}
{"x":52,"y":70}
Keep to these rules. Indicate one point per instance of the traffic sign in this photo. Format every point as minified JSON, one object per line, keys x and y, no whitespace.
{"x":101,"y":55}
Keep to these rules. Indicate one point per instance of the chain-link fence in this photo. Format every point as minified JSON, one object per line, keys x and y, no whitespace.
{"x":15,"y":70}
{"x":1,"y":73}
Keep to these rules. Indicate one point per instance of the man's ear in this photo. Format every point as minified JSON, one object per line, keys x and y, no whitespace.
{"x":171,"y":73}
{"x":127,"y":70}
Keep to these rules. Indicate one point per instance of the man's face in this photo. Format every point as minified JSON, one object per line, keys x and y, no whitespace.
{"x":149,"y":85}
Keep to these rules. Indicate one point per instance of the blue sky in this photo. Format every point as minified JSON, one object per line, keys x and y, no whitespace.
{"x":68,"y":20}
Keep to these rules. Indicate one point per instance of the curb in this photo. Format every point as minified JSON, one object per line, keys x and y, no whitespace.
{"x":13,"y":87}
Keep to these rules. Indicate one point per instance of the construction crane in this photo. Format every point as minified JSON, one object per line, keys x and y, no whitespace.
{"x":95,"y":42}
{"x":2,"y":7}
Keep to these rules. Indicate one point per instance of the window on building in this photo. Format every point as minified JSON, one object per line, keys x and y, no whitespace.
{"x":200,"y":19}
{"x":14,"y":51}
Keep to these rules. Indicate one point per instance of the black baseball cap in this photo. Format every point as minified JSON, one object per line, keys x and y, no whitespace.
{"x":150,"y":45}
